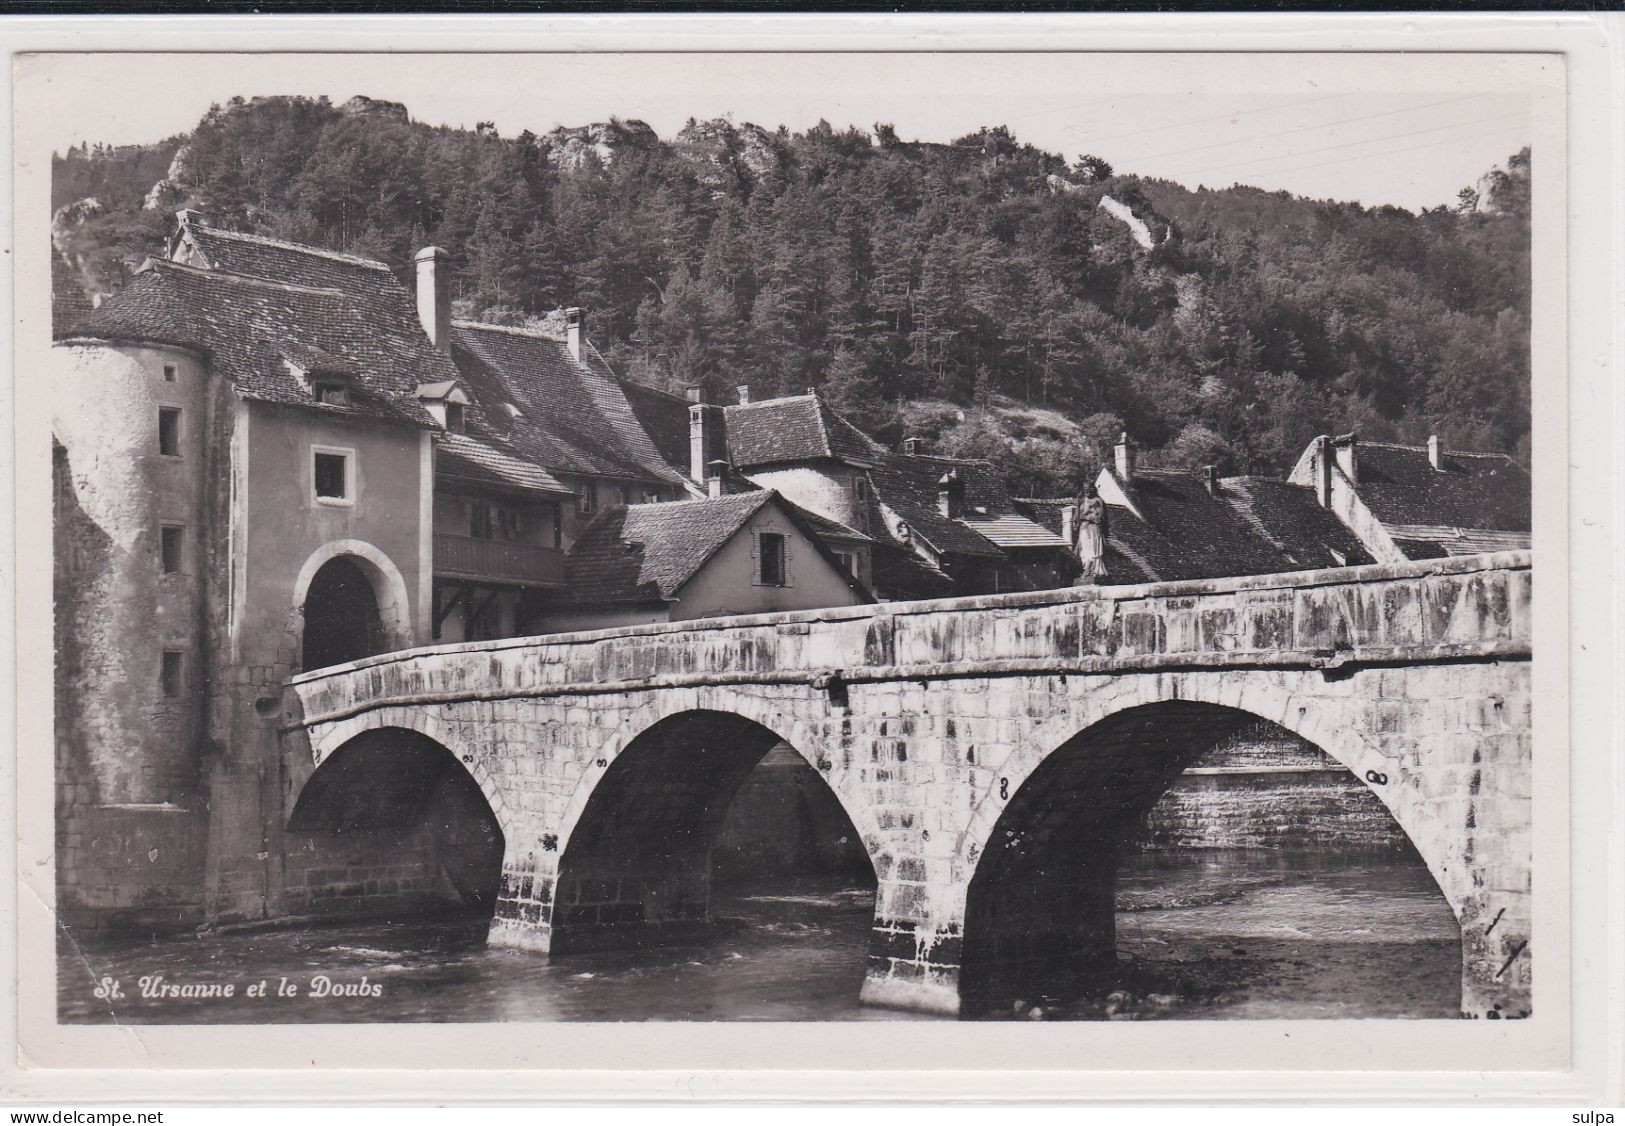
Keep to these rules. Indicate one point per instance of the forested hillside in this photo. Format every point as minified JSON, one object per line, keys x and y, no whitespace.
{"x":998,"y":299}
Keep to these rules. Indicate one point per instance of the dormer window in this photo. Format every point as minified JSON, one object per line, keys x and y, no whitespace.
{"x":331,"y":392}
{"x":445,"y":401}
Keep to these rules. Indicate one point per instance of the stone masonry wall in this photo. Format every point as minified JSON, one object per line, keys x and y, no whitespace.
{"x":925,"y":719}
{"x":129,"y":741}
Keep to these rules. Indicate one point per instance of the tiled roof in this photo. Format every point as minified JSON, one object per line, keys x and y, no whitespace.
{"x":1422,"y":541}
{"x":258,"y":333}
{"x":985,"y":494}
{"x":1187,"y":532}
{"x":901,"y":575}
{"x":572,"y":417}
{"x":664,"y":418}
{"x":384,"y":305}
{"x":828,"y":528}
{"x":1042,"y":510}
{"x":1014,"y":530}
{"x":68,"y":300}
{"x":1289,"y":517}
{"x":1472,"y":490}
{"x":461,"y":458}
{"x":908,"y":486}
{"x":646,"y":552}
{"x":238,"y":252}
{"x":795,"y":428}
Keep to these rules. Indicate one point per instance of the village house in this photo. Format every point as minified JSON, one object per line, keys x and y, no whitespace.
{"x":736,"y":553}
{"x":1345,"y":503}
{"x":911,"y":525}
{"x":271,"y":458}
{"x":1418,"y":502}
{"x":244,"y":473}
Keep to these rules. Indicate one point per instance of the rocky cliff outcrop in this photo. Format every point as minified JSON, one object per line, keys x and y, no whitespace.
{"x":568,"y":147}
{"x":171,"y":192}
{"x":727,"y":155}
{"x":363,"y":106}
{"x":87,"y":272}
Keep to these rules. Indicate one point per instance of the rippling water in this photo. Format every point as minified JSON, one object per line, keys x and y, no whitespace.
{"x":1201,"y":935}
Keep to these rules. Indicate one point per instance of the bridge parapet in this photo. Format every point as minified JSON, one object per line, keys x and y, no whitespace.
{"x":927,"y":721}
{"x":1471,"y":607}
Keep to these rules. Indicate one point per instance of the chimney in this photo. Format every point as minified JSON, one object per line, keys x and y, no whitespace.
{"x":716,"y":477}
{"x":743,"y":391}
{"x":695,"y":393}
{"x":1323,"y":471}
{"x":1211,"y":475}
{"x":913,"y":446}
{"x":705,"y":437}
{"x":1125,"y":457}
{"x":434,"y":296}
{"x":1348,"y":456}
{"x":1435,"y":453}
{"x":951,"y":495}
{"x":186,"y":215}
{"x":1069,"y":522}
{"x":572,"y":331}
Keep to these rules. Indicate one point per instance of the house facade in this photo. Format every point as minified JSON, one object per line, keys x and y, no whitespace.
{"x":737,"y":553}
{"x":270,"y":458}
{"x":911,"y":525}
{"x":244,"y":476}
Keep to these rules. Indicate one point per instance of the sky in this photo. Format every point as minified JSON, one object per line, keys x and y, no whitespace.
{"x":1409,"y":130}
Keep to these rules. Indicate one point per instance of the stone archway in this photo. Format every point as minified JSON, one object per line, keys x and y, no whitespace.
{"x":635,"y":867}
{"x":1041,"y":906}
{"x":356,"y":599}
{"x":391,"y":822}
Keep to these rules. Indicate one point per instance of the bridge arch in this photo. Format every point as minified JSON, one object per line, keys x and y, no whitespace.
{"x":633,"y":858}
{"x":1300,"y":713}
{"x":391,"y":821}
{"x":429,"y":723}
{"x":794,"y":733}
{"x":1040,"y":901}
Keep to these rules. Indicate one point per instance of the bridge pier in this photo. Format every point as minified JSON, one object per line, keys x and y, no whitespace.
{"x":914,"y":966}
{"x":988,"y":753}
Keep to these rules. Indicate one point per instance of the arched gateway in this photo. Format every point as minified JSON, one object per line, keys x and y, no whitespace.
{"x":940,"y":726}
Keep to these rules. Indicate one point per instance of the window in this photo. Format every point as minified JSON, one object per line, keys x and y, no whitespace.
{"x":169,"y":548}
{"x":651,"y":496}
{"x":170,"y":674}
{"x":620,"y":495}
{"x":330,"y":470}
{"x":169,"y":373}
{"x":454,"y":417}
{"x":169,"y":431}
{"x":844,"y":560}
{"x":488,"y":521}
{"x":331,"y":393}
{"x":860,"y":489}
{"x":770,"y":559}
{"x":586,"y":501}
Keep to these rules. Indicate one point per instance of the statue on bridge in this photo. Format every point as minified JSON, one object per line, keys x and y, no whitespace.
{"x":1089,"y":537}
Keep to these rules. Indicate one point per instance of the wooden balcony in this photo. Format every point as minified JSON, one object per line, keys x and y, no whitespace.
{"x":497,"y":561}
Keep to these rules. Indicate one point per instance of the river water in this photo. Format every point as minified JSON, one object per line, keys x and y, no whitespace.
{"x":1204,"y":934}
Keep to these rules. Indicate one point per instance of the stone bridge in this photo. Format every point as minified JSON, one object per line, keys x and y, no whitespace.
{"x":991,"y":752}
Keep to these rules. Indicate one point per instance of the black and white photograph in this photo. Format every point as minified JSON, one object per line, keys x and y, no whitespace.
{"x":651,"y":538}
